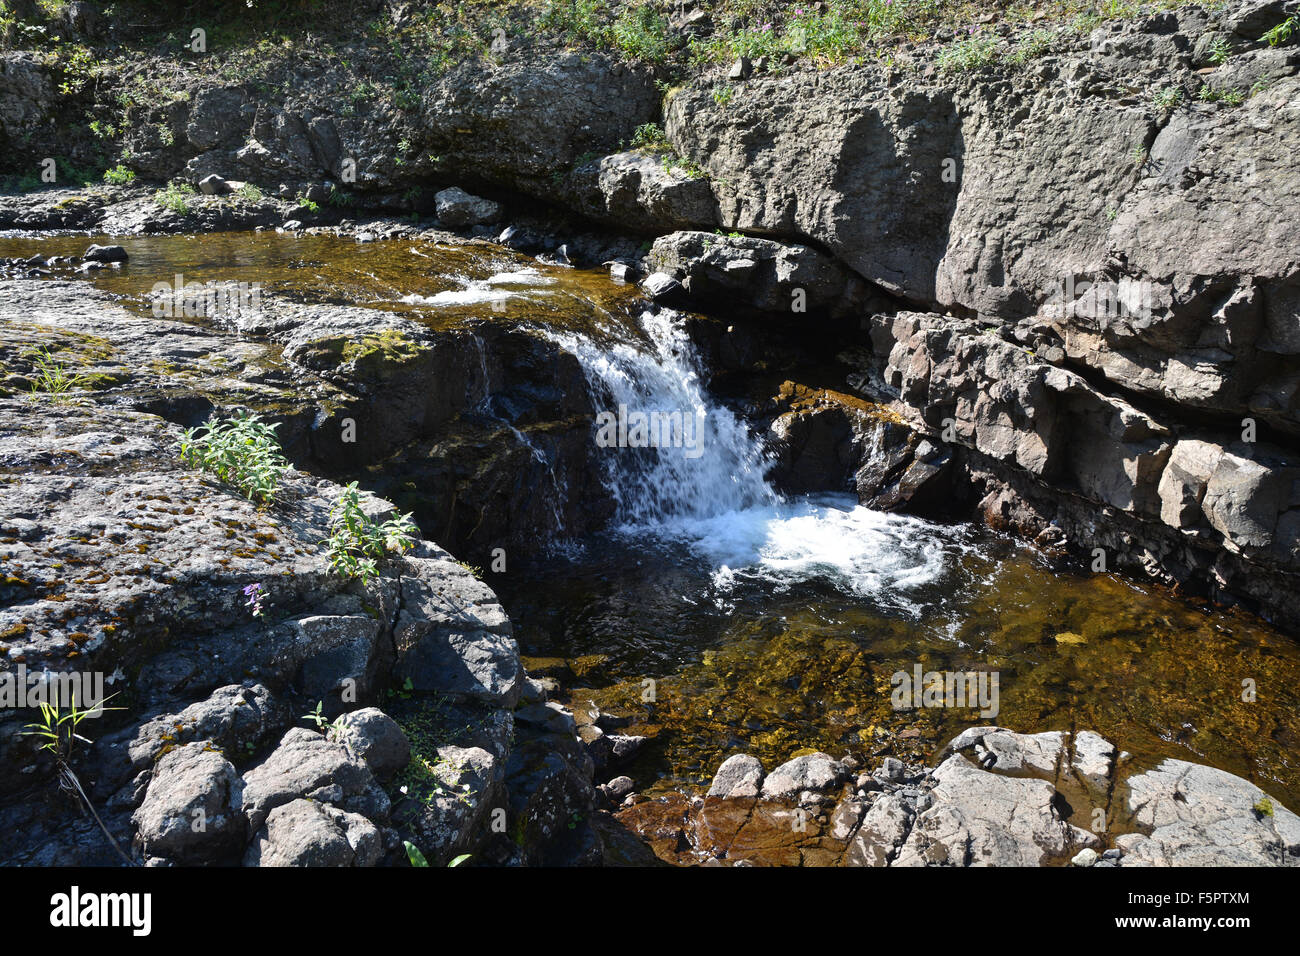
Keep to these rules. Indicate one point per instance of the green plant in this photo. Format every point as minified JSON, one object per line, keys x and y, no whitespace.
{"x":1218,"y":50}
{"x":50,"y":378}
{"x":1167,"y":98}
{"x":977,"y":50}
{"x":418,"y":859}
{"x":1281,"y":34}
{"x":722,"y":95}
{"x":249,"y":193}
{"x":649,"y":136}
{"x":119,"y":175}
{"x":357,"y":541}
{"x":242,"y":452}
{"x":308,"y":204}
{"x":1264,"y":807}
{"x":330,"y":728}
{"x":1030,"y":46}
{"x":176,"y":197}
{"x":641,"y":33}
{"x":59,"y":731}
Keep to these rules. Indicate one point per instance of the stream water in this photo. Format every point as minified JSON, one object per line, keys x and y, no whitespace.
{"x":717,"y":616}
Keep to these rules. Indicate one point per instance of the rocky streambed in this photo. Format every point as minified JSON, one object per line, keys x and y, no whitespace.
{"x":995,"y":341}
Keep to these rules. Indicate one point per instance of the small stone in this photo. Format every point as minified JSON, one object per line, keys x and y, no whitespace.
{"x":1085,"y":857}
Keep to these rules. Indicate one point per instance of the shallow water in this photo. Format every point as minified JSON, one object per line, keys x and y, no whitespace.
{"x":768,"y":625}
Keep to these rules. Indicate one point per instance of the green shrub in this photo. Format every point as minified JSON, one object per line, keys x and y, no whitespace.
{"x":641,"y":33}
{"x":357,"y":541}
{"x":242,"y":452}
{"x":119,"y":175}
{"x":977,"y":50}
{"x":649,"y":136}
{"x":1281,"y":34}
{"x":176,"y":197}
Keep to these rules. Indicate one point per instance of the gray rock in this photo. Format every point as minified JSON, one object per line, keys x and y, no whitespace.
{"x":881,"y":832}
{"x":307,"y":833}
{"x":1191,"y":815}
{"x":816,"y":772}
{"x":377,"y":739}
{"x":306,"y":764}
{"x":457,"y":209}
{"x":985,"y":819}
{"x":661,"y":287}
{"x":639,"y":190}
{"x":740,"y":775}
{"x":190,"y":813}
{"x":214,"y":185}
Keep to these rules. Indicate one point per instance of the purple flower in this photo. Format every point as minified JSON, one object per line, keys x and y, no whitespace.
{"x":254,"y":594}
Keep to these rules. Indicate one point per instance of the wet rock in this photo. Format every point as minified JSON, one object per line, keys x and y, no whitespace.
{"x":191,"y":812}
{"x":549,"y":716}
{"x":377,"y":739}
{"x":661,"y":287}
{"x":458,"y":209}
{"x":105,"y":254}
{"x":740,"y":775}
{"x":761,"y":274}
{"x":613,"y":750}
{"x":307,"y":833}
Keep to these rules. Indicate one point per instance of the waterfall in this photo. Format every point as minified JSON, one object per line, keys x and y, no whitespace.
{"x":715,"y":500}
{"x":716,"y":467}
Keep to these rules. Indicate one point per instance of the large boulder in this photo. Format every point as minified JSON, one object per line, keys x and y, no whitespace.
{"x":643,"y":191}
{"x":191,"y":812}
{"x":307,"y":764}
{"x":306,"y":833}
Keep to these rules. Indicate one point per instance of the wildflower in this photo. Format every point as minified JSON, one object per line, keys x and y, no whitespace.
{"x":254,"y":594}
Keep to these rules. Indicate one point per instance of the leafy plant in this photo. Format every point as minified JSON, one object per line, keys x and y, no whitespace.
{"x":1282,"y":33}
{"x":1167,"y":98}
{"x":119,"y":175}
{"x":176,"y":197}
{"x":249,"y":193}
{"x":418,"y":859}
{"x":641,"y":33}
{"x":330,"y":728}
{"x":977,"y":50}
{"x":1219,"y":52}
{"x":357,"y":541}
{"x":649,"y":136}
{"x":242,"y":452}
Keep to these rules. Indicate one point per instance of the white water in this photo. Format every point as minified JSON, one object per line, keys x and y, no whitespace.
{"x":496,"y":288}
{"x":721,"y":507}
